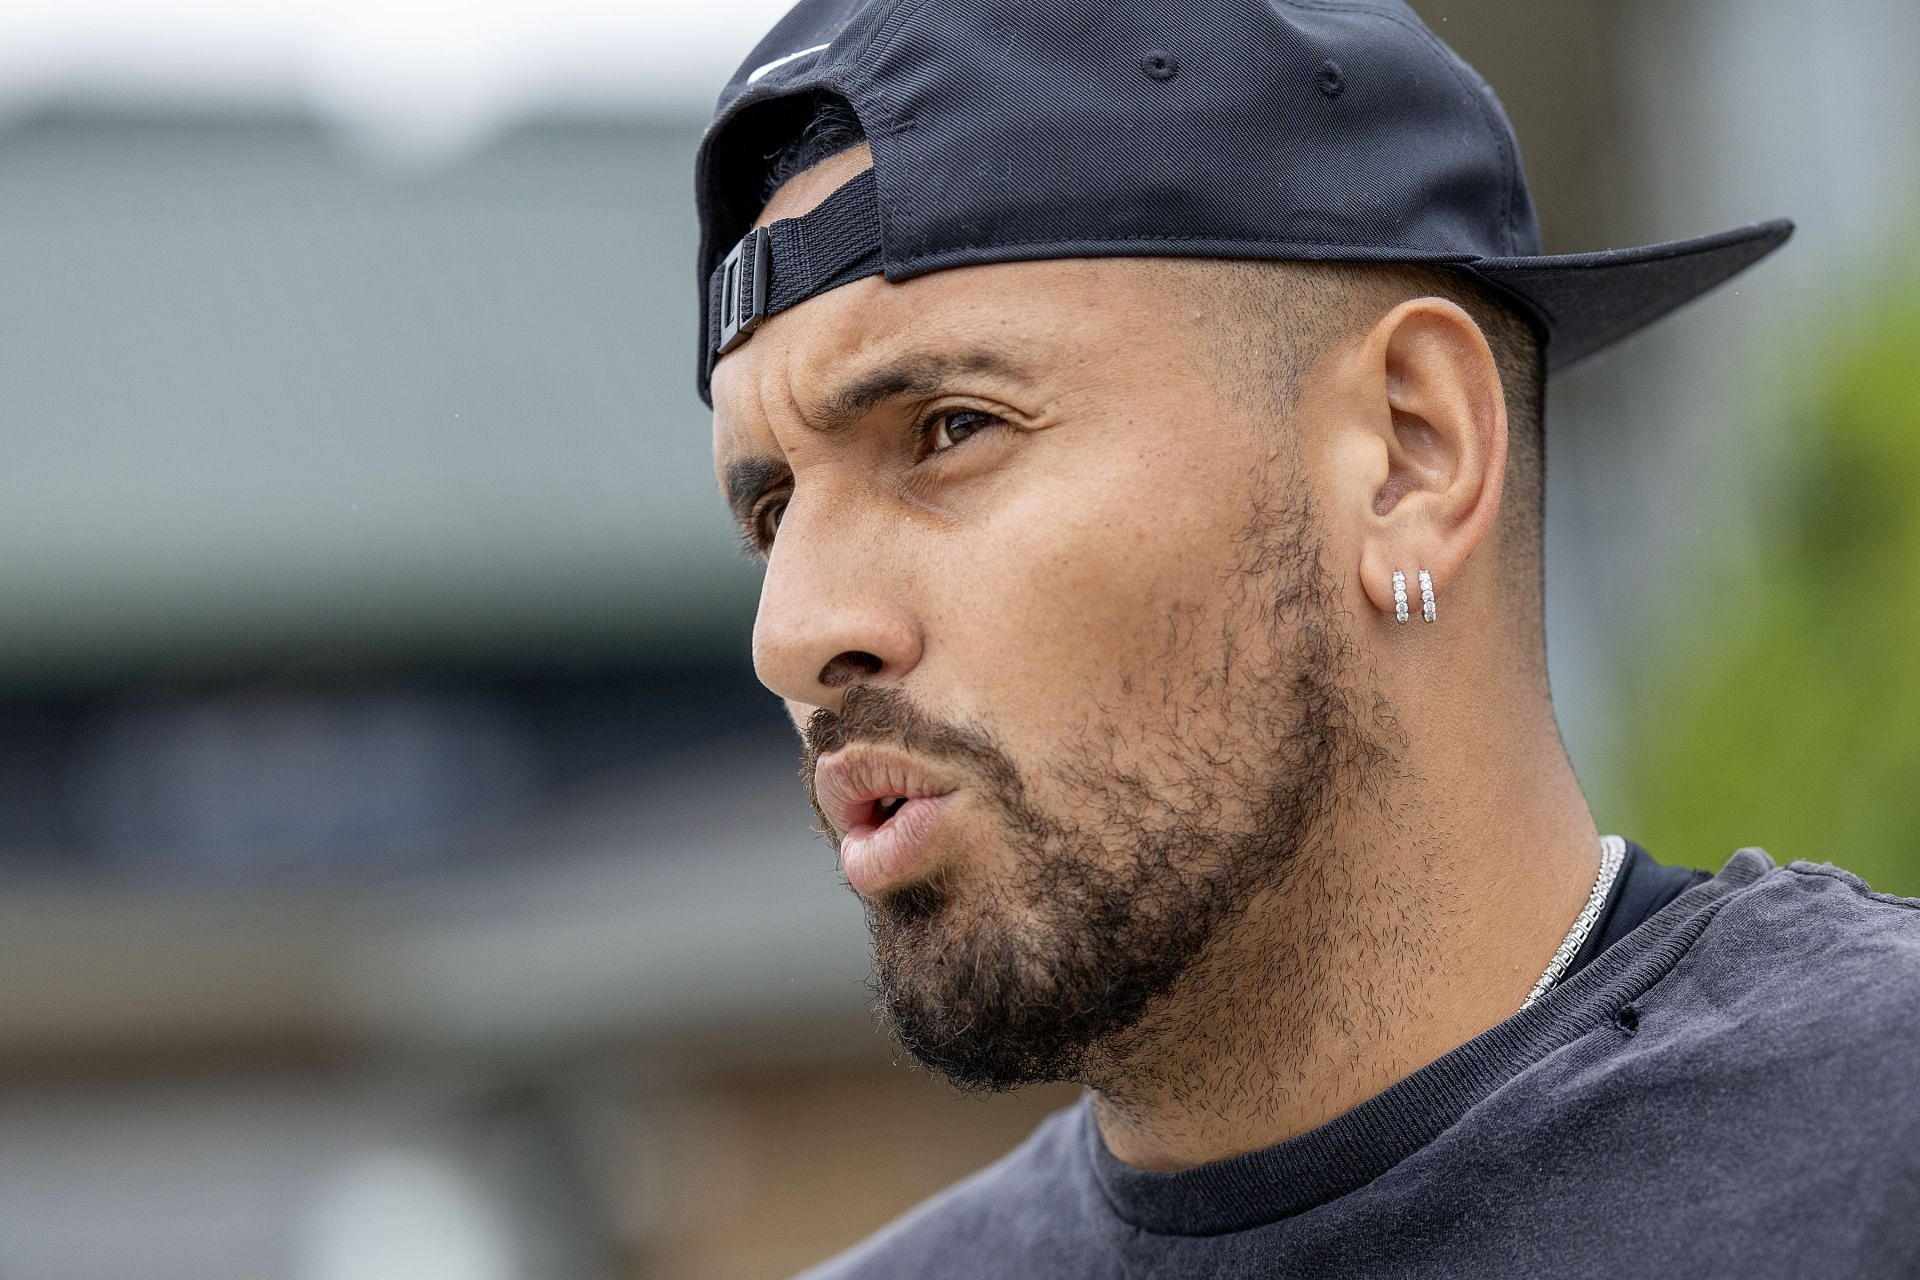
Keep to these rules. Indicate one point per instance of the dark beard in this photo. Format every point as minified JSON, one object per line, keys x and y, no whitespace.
{"x":992,"y":1001}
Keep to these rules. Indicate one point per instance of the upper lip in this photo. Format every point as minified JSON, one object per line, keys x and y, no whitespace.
{"x":847,"y":783}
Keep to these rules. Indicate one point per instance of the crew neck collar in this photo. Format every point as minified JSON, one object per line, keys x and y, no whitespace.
{"x":1358,"y":1146}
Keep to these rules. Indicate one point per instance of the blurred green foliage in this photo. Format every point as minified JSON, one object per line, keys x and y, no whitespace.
{"x":1796,"y":726}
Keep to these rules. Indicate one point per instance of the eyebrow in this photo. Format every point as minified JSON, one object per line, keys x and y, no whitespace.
{"x":747,"y":480}
{"x":921,"y":375}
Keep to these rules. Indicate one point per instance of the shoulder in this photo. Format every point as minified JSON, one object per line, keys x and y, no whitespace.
{"x":1004,"y":1220}
{"x":1827,"y":925}
{"x":1809,"y":961}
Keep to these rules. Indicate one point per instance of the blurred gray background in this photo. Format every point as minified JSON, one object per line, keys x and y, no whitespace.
{"x":400,"y":873}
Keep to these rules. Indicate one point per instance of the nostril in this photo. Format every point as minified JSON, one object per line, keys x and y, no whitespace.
{"x":848,"y":667}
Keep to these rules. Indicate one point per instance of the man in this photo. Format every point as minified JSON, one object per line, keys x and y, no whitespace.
{"x":1140,"y":413}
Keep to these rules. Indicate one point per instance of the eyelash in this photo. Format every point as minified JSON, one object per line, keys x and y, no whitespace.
{"x":929,"y":426}
{"x":757,"y":538}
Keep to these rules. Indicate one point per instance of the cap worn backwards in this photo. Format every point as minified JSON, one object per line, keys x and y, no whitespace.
{"x":1336,"y":130}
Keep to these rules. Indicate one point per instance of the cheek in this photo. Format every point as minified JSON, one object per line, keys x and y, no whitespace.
{"x":1092,"y":596}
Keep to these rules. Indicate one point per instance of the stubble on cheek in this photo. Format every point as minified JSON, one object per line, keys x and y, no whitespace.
{"x":1182,"y":725}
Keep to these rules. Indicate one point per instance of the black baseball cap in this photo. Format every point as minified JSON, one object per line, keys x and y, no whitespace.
{"x":1009,"y":130}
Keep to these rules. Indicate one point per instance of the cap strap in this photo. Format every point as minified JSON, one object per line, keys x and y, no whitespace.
{"x":786,"y":262}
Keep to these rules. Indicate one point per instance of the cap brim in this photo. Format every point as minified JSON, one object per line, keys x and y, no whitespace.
{"x":1587,"y":301}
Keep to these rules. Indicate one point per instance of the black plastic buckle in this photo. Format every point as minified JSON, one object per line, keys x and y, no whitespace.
{"x":743,"y":289}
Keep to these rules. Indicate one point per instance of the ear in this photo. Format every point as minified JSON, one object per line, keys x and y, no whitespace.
{"x":1426,"y":447}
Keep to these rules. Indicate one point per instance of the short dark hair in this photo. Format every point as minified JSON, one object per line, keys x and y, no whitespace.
{"x":831,"y":127}
{"x":1269,"y":321}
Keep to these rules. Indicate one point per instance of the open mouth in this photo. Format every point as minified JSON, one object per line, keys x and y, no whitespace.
{"x":860,"y":791}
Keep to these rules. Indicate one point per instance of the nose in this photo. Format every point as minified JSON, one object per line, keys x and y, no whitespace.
{"x":834,"y":612}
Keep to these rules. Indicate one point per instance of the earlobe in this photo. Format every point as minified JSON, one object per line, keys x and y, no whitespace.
{"x":1408,"y":592}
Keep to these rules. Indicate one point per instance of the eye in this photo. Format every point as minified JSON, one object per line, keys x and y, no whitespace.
{"x":766,"y":521}
{"x":951,"y":426}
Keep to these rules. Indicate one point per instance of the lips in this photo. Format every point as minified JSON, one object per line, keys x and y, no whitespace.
{"x":884,"y":806}
{"x":862,"y":786}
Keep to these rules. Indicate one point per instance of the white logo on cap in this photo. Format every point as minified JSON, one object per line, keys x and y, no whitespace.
{"x":765,"y":67}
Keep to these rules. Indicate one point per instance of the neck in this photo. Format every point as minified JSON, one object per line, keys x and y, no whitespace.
{"x":1393,"y":942}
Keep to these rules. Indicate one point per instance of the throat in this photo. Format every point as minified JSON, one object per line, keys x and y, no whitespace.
{"x":1334,"y":989}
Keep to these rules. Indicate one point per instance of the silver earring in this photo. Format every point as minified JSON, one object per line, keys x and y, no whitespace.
{"x":1427,"y":608}
{"x":1399,"y":596}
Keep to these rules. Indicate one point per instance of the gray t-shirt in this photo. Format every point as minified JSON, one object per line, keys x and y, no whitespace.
{"x":1732,"y":1089}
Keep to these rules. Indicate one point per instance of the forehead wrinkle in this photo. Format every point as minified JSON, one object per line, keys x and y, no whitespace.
{"x":918,"y":374}
{"x":750,"y":473}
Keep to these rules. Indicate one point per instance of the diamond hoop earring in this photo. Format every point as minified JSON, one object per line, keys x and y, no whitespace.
{"x":1399,"y":596}
{"x":1428,"y":610}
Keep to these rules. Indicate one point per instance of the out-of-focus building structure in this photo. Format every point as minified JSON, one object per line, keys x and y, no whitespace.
{"x":400,"y":873}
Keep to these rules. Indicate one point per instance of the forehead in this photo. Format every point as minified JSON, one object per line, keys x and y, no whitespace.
{"x":1058,"y":326}
{"x":1066,"y":317}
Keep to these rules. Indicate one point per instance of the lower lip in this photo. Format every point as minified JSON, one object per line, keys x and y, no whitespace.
{"x":880,"y":859}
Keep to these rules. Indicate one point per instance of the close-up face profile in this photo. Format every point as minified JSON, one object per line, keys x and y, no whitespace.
{"x":909,"y":640}
{"x":1048,"y":601}
{"x":1143,"y":442}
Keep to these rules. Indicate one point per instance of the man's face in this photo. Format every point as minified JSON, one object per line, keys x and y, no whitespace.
{"x":1027,"y":570}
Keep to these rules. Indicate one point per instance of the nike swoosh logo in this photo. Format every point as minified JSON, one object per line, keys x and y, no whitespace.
{"x":765,"y":67}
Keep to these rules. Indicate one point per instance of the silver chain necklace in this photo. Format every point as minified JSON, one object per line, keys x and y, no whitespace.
{"x":1613,"y":852}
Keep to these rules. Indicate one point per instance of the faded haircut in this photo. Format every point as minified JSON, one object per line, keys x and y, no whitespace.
{"x":1274,"y":319}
